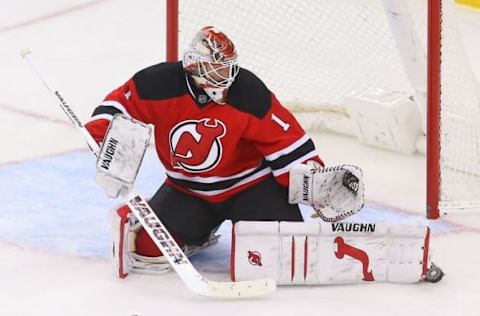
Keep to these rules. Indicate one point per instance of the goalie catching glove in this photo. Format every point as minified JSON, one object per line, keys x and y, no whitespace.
{"x":334,"y":192}
{"x":121,"y":154}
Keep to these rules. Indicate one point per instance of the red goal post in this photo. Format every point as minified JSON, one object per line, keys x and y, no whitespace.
{"x":172,"y":30}
{"x":433,"y":108}
{"x":347,"y":47}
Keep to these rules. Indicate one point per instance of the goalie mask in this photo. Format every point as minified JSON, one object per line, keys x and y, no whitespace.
{"x":212,"y":61}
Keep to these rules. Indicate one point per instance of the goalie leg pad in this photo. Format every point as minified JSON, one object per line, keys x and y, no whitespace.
{"x":125,"y":229}
{"x":119,"y":219}
{"x":135,"y":252}
{"x":329,"y":253}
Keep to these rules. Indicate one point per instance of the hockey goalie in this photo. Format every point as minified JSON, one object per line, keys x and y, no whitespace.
{"x":231,"y":151}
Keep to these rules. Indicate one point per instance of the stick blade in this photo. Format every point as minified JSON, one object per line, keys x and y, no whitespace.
{"x":241,"y":289}
{"x":25,"y":52}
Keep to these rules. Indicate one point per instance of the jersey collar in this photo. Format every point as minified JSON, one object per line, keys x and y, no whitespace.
{"x":200,"y":97}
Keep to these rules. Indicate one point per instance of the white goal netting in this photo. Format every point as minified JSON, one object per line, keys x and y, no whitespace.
{"x":313,"y":53}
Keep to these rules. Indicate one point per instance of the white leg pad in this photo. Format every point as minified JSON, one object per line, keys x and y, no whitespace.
{"x":125,"y":228}
{"x":120,"y":222}
{"x":125,"y":260}
{"x":329,"y":253}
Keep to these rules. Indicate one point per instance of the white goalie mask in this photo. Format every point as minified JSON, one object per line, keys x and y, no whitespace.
{"x":212,"y":61}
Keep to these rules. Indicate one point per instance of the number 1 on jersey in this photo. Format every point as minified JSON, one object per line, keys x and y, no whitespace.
{"x":285,"y":126}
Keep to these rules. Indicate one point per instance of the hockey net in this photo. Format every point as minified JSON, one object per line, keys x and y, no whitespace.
{"x":314,"y":54}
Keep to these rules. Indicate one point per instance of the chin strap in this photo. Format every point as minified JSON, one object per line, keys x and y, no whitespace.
{"x":217,"y":95}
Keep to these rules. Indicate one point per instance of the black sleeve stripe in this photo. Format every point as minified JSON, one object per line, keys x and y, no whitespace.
{"x":298,"y":153}
{"x":104,"y":109}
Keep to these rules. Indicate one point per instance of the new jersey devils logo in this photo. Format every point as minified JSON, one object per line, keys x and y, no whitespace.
{"x":195,"y":145}
{"x":254,"y":258}
{"x":360,"y":255}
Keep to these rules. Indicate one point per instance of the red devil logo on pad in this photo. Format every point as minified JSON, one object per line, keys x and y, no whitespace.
{"x":195,"y":145}
{"x":255,"y":258}
{"x":360,"y":255}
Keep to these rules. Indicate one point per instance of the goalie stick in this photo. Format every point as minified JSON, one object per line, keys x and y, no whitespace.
{"x":158,"y":232}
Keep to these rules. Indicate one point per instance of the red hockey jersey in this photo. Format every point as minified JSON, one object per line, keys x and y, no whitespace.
{"x":210,"y":150}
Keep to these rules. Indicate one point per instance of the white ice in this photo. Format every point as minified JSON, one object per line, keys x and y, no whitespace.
{"x":53,"y":242}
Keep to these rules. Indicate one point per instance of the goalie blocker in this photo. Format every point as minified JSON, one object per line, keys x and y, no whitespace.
{"x":121,"y":154}
{"x":331,"y":253}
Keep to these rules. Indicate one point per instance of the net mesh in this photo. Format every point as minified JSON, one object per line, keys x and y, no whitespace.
{"x":312,"y":53}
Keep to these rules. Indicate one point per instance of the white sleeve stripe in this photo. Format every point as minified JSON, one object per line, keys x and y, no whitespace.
{"x":116,"y":105}
{"x":288,"y":149}
{"x":287,"y":168}
{"x":179,"y":176}
{"x":100,"y":116}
